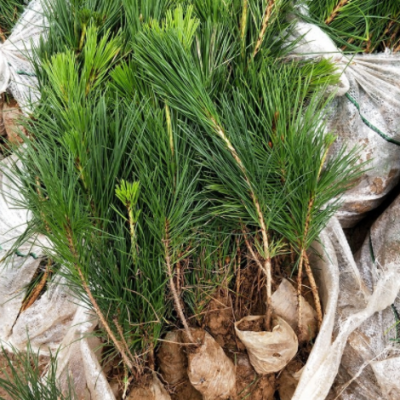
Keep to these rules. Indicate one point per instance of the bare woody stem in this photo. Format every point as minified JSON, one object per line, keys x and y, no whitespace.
{"x":93,"y":301}
{"x":178,"y":306}
{"x":314,"y":289}
{"x":336,"y":11}
{"x":267,"y":268}
{"x":265,"y":21}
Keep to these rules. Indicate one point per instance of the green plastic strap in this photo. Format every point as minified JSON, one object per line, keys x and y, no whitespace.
{"x":25,"y":73}
{"x":19,"y":254}
{"x":395,"y":312}
{"x":373,"y":127}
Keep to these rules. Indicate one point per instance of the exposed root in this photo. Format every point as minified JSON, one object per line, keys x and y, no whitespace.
{"x":299,"y":286}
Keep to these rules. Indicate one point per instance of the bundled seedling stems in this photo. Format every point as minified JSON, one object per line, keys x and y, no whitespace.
{"x":267,"y":268}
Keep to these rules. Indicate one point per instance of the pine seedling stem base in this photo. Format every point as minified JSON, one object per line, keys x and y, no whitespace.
{"x":93,"y":301}
{"x":314,"y":289}
{"x":177,"y":303}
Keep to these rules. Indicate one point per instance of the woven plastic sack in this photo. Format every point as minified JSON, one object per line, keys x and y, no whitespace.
{"x":371,"y":362}
{"x":356,"y":307}
{"x":78,"y":359}
{"x":55,"y":321}
{"x":365,"y":114}
{"x":16,"y":72}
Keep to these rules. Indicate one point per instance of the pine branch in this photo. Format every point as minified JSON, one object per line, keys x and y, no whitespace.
{"x":336,"y":11}
{"x":265,"y":21}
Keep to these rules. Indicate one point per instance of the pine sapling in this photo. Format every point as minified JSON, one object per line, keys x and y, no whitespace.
{"x":128,"y":193}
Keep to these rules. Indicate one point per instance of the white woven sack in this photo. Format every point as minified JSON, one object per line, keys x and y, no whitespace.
{"x":371,"y":355}
{"x":356,"y":307}
{"x":364,"y":114}
{"x":54,"y":321}
{"x":16,"y":72}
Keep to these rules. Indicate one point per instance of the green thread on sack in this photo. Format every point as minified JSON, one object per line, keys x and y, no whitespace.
{"x":373,"y":127}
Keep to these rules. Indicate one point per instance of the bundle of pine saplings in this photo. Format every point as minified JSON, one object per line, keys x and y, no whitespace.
{"x":366,"y":26}
{"x":179,"y":167}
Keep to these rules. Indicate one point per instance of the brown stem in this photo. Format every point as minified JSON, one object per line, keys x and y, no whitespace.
{"x":392,"y":39}
{"x":303,"y":254}
{"x":314,"y":289}
{"x":178,"y":306}
{"x":3,"y":131}
{"x":238,"y":274}
{"x":350,"y":41}
{"x":299,"y":299}
{"x":265,"y":21}
{"x":336,"y":11}
{"x":96,"y":307}
{"x":122,"y":336}
{"x":2,"y":36}
{"x":266,"y":268}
